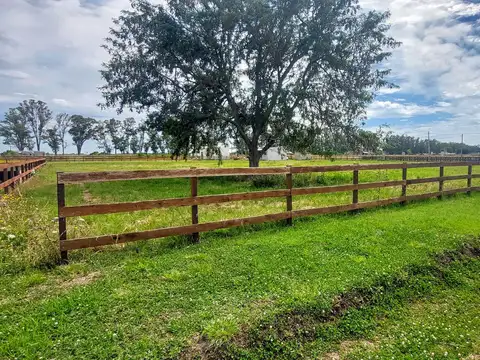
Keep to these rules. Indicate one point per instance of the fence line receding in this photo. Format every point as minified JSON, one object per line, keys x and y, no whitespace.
{"x":15,"y":173}
{"x":288,"y":193}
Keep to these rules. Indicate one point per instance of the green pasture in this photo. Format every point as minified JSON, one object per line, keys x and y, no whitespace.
{"x":169,"y":299}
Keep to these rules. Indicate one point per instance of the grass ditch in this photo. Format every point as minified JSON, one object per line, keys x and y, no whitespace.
{"x":350,"y":316}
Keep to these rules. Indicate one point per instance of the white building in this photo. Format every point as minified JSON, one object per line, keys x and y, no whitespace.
{"x":275,"y":153}
{"x":224,"y":151}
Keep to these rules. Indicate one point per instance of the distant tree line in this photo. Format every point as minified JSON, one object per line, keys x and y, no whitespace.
{"x":382,"y":141}
{"x":32,"y":123}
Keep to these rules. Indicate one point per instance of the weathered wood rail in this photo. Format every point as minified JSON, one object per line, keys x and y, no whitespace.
{"x":194,"y":200}
{"x":12,"y":174}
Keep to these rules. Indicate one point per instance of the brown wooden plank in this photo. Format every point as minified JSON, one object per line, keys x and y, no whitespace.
{"x":437,"y":164}
{"x":355,"y":191}
{"x":455,"y":191}
{"x":96,"y":209}
{"x":436,"y":179}
{"x":74,"y":178}
{"x":62,"y":221}
{"x":341,"y":188}
{"x":194,"y":193}
{"x":172,"y":231}
{"x":289,"y":197}
{"x":423,"y":196}
{"x":344,"y":208}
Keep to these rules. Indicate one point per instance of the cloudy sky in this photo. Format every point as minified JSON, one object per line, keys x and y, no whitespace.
{"x":50,"y":50}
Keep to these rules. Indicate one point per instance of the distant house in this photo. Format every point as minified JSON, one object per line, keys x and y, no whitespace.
{"x":275,"y":154}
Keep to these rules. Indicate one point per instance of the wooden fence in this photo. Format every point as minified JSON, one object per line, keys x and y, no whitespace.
{"x":14,"y":173}
{"x":406,"y":158}
{"x":84,"y":158}
{"x":194,"y":200}
{"x":166,"y":157}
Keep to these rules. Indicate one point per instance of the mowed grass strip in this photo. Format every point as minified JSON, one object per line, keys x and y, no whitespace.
{"x":154,"y":299}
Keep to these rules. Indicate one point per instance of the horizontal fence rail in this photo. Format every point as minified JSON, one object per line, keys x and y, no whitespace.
{"x":407,"y":158}
{"x":288,"y":193}
{"x":15,"y":173}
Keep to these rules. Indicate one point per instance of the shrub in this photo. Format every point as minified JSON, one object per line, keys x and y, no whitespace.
{"x":268,"y":181}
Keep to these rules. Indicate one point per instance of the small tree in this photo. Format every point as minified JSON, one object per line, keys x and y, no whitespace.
{"x":81,"y":130}
{"x":267,"y":72}
{"x":53,"y":139}
{"x":102,"y":138}
{"x":63,"y":122}
{"x":113,"y":128}
{"x":37,"y":116}
{"x":14,"y":129}
{"x":135,"y":144}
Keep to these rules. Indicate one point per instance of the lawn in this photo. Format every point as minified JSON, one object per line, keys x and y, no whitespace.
{"x":168,"y":298}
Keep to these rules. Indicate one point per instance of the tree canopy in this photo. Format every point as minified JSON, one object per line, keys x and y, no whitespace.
{"x":82,"y":129}
{"x":37,"y":115}
{"x":14,"y":129}
{"x":263,"y":72}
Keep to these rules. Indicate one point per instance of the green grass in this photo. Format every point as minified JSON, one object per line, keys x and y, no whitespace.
{"x":442,"y":323}
{"x":155,"y":299}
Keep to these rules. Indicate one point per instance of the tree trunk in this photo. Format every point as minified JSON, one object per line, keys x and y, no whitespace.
{"x":79,"y":149}
{"x":254,"y":156}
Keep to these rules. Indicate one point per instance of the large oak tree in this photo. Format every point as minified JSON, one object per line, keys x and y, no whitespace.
{"x":264,"y":72}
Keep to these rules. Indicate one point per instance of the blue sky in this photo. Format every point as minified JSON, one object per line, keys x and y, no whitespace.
{"x":51,"y":51}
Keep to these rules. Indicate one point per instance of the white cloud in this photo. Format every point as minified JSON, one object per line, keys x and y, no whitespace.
{"x":389,"y":109}
{"x":61,"y":102}
{"x":51,"y":51}
{"x":15,"y":74}
{"x":439,"y":61}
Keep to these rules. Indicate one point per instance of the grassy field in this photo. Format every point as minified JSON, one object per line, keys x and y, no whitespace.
{"x":167,"y":298}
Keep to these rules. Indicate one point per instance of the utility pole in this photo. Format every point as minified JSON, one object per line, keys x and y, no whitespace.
{"x":429,"y":143}
{"x":461,"y":147}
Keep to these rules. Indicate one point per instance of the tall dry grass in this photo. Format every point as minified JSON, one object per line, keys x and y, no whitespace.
{"x":28,"y":237}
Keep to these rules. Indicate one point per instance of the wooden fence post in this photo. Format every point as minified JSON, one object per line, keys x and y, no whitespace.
{"x":289,"y":198}
{"x":440,"y":182}
{"x":5,"y":178}
{"x":404,"y":179}
{"x":194,"y":188}
{"x":355,"y":182}
{"x":62,"y":222}
{"x":469,"y":180}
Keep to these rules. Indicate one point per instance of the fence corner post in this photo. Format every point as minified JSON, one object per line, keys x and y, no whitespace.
{"x":289,"y":198}
{"x":5,"y":178}
{"x":355,"y":183}
{"x":404,"y":186}
{"x":194,"y":193}
{"x":62,"y":221}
